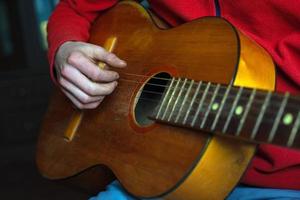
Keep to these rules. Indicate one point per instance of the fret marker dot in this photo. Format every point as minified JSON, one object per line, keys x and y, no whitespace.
{"x":239,"y":110}
{"x":215,"y":106}
{"x":287,"y":119}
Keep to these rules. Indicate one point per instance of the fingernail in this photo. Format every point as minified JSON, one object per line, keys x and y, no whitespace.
{"x":117,"y":75}
{"x":122,"y":62}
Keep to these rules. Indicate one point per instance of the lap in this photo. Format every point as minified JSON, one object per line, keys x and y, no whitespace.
{"x":114,"y":191}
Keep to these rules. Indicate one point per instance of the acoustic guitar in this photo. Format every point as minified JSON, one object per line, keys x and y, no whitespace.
{"x":187,"y":114}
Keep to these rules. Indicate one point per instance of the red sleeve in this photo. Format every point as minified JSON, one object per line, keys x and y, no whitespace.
{"x":71,"y":20}
{"x":275,"y":26}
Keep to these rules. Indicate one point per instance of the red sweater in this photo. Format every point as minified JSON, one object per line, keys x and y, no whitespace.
{"x":274,"y":24}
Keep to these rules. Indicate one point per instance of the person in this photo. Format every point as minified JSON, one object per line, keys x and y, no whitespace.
{"x":274,"y":172}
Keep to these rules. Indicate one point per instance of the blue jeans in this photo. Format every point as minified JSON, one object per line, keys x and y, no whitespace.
{"x":114,"y":191}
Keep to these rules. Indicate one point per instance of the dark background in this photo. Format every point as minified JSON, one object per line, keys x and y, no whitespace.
{"x":25,"y":90}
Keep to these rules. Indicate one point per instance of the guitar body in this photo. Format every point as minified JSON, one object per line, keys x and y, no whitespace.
{"x":156,"y":160}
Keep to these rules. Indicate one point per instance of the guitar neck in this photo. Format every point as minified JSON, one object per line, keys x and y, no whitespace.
{"x":249,"y":114}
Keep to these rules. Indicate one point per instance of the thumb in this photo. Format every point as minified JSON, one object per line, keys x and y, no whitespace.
{"x":100,"y":54}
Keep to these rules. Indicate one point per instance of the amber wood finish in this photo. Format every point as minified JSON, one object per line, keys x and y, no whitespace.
{"x":256,"y":68}
{"x":161,"y":160}
{"x":205,"y":183}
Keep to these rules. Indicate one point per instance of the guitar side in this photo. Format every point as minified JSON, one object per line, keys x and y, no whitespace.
{"x":156,"y":160}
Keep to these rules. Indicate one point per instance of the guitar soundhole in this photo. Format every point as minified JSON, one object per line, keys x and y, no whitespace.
{"x":149,"y":97}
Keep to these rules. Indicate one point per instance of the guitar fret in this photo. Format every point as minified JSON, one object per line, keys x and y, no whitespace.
{"x":294,"y":131}
{"x":184,"y":100}
{"x":209,"y":107}
{"x":192,"y":102}
{"x":177,"y":99}
{"x":242,"y":121}
{"x":278,"y":117}
{"x":261,"y":114}
{"x":164,"y":99}
{"x":232,"y":109}
{"x":221,"y":108}
{"x":200,"y":104}
{"x":170,"y":99}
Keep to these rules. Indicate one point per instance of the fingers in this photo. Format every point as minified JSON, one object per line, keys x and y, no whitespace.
{"x":90,"y":69}
{"x":79,"y":104}
{"x":80,"y":78}
{"x":82,"y":82}
{"x":79,"y":94}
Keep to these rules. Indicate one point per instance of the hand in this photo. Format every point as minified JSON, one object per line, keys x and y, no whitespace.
{"x":80,"y":78}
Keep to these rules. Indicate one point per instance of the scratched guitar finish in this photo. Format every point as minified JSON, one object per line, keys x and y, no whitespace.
{"x":161,"y":131}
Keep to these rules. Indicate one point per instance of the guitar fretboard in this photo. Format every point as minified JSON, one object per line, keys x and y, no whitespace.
{"x":251,"y":114}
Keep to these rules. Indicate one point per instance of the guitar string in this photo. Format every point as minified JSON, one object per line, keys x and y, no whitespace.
{"x":250,"y":115}
{"x":166,"y":87}
{"x":276,"y":102}
{"x":231,"y":97}
{"x":253,"y":115}
{"x":254,"y":110}
{"x":188,"y":81}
